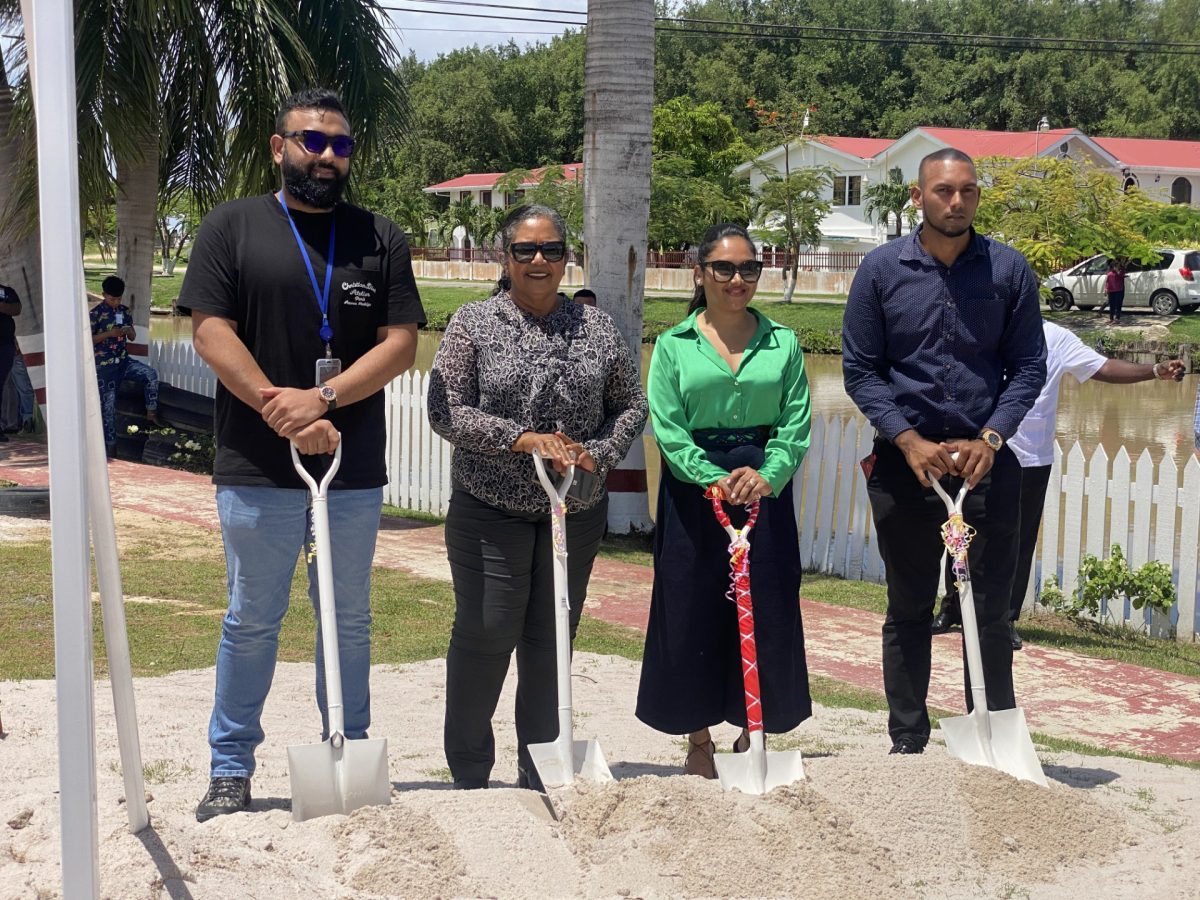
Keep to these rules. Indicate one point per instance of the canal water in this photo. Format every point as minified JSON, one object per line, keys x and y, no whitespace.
{"x":1153,"y":415}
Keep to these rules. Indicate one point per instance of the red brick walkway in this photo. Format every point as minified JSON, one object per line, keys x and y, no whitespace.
{"x":1109,"y":704}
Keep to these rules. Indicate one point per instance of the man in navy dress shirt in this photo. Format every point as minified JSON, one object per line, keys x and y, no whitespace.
{"x":943,"y":352}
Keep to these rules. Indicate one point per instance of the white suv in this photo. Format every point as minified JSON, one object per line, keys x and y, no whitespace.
{"x":1165,"y":285}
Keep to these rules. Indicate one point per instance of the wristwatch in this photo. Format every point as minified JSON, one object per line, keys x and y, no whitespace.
{"x":991,"y":437}
{"x":329,"y":395}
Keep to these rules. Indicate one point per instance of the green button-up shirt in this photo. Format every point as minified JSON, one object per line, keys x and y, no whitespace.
{"x":691,"y":387}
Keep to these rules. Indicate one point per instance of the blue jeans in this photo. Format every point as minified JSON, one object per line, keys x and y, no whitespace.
{"x":264,"y":528}
{"x":110,"y":377}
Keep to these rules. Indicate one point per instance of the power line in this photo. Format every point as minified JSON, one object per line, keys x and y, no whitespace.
{"x":432,"y":12}
{"x":764,"y":31}
{"x":941,"y":35}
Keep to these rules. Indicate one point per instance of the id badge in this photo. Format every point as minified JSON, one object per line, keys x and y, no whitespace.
{"x":327,"y":368}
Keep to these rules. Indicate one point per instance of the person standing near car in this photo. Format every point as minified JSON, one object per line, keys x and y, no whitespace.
{"x":305,"y":307}
{"x":943,"y":352}
{"x":1114,"y":286}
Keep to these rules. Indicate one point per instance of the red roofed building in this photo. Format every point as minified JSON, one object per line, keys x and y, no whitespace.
{"x":481,"y":186}
{"x":1166,"y":170}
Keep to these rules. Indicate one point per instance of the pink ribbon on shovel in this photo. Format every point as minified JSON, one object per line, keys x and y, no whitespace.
{"x":739,"y":593}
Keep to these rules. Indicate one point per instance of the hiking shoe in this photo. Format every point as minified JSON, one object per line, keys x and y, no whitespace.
{"x":226,"y":794}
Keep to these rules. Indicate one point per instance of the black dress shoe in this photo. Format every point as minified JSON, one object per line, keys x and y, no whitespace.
{"x":946,"y":619}
{"x":470,"y":784}
{"x":529,"y":780}
{"x":906,"y":745}
{"x":1017,"y":643}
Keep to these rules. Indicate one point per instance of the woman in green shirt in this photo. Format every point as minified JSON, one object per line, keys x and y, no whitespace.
{"x":729,"y":402}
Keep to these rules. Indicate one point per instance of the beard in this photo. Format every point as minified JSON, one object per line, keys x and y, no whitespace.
{"x":948,"y":230}
{"x":321,"y":193}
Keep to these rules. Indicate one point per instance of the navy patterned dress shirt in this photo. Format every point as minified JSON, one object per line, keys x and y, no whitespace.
{"x":945,"y":350}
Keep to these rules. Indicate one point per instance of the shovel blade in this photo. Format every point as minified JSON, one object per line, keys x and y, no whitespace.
{"x":328,"y":780}
{"x":560,"y":762}
{"x":998,"y":739}
{"x":743,"y":772}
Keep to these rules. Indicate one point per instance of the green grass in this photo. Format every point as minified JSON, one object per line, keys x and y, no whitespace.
{"x":1045,"y":629}
{"x":411,"y":616}
{"x":163,"y":288}
{"x":818,"y":324}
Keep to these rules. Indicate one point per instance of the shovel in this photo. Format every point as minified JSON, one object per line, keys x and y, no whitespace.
{"x":336,"y":775}
{"x":756,"y":771}
{"x":561,"y":761}
{"x":995,"y":738}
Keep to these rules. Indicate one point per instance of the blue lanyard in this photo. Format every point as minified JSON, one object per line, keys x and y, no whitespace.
{"x":322,"y":295}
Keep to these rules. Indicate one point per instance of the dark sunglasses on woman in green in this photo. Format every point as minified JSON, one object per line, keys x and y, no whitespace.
{"x":525,"y":251}
{"x":723,"y":270}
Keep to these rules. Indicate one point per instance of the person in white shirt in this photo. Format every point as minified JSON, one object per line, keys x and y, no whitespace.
{"x":1033,"y":445}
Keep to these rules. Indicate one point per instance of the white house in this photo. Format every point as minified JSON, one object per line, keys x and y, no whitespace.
{"x":1166,"y":170}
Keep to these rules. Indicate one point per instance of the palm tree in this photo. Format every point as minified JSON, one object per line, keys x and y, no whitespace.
{"x":618,"y":100}
{"x":174,"y":96}
{"x":890,"y":198}
{"x":790,"y":209}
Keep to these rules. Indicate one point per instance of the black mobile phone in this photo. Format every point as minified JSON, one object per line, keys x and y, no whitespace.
{"x":582,"y":485}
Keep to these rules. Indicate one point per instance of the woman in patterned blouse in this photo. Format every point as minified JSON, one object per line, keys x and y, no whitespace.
{"x":525,"y":370}
{"x":729,"y":401}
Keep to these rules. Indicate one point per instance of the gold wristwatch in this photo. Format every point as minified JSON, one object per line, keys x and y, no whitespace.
{"x":329,"y":395}
{"x":992,"y":438}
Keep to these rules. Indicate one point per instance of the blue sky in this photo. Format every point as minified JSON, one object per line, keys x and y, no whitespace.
{"x":428,"y":29}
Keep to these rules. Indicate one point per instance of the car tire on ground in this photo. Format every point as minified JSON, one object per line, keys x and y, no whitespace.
{"x":1060,"y":300}
{"x":1164,"y":303}
{"x":25,"y":502}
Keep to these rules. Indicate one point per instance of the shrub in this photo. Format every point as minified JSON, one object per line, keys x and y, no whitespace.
{"x":1113,"y":581}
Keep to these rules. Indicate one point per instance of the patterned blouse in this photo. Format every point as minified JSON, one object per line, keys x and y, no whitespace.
{"x":110,"y":351}
{"x":500,"y":372}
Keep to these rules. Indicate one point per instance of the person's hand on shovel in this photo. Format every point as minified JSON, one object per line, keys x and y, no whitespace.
{"x":319,"y":437}
{"x":552,"y":448}
{"x":971,"y":459}
{"x":925,"y":456}
{"x":742,"y":486}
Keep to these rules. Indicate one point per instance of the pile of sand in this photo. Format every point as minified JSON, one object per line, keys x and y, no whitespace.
{"x":864,"y":824}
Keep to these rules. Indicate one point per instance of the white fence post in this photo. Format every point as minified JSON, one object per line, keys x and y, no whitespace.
{"x":837,"y":537}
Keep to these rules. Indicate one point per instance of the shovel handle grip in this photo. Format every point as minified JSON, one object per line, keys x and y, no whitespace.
{"x":318,"y":490}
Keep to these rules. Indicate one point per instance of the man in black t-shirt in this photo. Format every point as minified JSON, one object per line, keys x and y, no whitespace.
{"x":10,"y":308}
{"x":305,"y":307}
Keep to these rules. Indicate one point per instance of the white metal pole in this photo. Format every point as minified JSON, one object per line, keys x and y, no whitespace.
{"x":49,"y":32}
{"x":112,"y":597}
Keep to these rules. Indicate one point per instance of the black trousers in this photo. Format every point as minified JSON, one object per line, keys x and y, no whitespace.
{"x":907,"y":520}
{"x":1034,"y":481}
{"x":502,"y":566}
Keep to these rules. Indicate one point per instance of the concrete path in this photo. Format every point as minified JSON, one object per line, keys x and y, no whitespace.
{"x":1105,"y":703}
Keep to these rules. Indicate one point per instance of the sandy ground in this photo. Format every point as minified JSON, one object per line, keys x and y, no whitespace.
{"x":863,"y":824}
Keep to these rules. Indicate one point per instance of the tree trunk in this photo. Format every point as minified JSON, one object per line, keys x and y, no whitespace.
{"x":793,"y":268}
{"x":21,"y":262}
{"x":618,"y":106}
{"x":137,"y":225}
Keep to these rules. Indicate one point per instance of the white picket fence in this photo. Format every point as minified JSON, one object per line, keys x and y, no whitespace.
{"x":1141,"y":507}
{"x":178,"y":364}
{"x":418,"y":460}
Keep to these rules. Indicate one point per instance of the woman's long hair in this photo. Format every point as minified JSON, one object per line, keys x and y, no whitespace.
{"x":708,"y":243}
{"x":508,"y":230}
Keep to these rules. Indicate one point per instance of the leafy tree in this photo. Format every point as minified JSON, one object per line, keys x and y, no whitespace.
{"x":1058,"y":211}
{"x":890,"y":198}
{"x":683,"y":205}
{"x":789,"y":209}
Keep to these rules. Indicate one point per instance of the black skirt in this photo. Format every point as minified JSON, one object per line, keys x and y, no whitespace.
{"x":691,"y":669}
